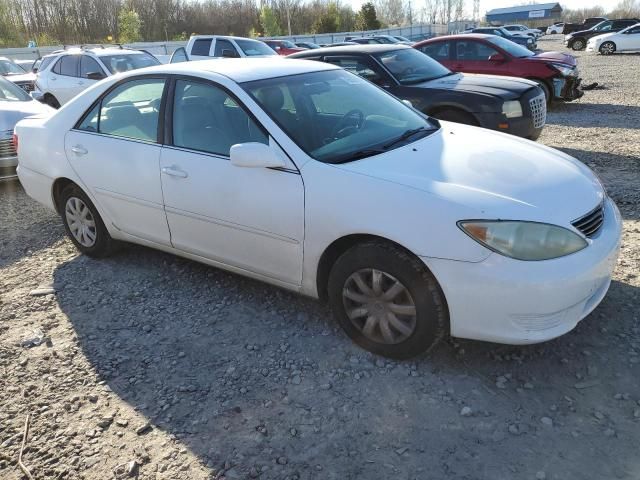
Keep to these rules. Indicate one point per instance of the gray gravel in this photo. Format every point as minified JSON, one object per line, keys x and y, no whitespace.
{"x":152,"y":366}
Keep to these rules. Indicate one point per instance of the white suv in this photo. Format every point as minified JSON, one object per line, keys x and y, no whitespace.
{"x":65,"y":73}
{"x":203,"y":47}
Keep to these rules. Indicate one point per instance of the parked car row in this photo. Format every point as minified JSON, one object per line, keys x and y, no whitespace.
{"x":578,"y":40}
{"x":306,"y":176}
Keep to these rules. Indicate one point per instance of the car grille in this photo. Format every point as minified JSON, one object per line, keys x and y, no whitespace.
{"x":538,"y":107}
{"x":6,"y":149}
{"x":590,"y":223}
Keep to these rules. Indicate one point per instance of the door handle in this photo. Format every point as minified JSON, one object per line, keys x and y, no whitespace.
{"x":79,"y":150}
{"x":174,"y":172}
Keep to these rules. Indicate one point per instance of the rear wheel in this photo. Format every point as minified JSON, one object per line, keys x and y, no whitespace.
{"x":458,"y":116}
{"x":607,"y":48}
{"x":387,"y":301}
{"x":83,"y":224}
{"x":51,"y":101}
{"x":578,"y":44}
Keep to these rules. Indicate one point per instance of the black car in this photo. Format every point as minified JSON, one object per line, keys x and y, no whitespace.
{"x":578,"y":40}
{"x":510,"y":105}
{"x":525,"y":41}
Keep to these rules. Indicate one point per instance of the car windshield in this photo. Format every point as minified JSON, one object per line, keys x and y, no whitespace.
{"x":252,"y":48}
{"x":7,"y":67}
{"x":602,"y":26}
{"x":10,"y":92}
{"x":511,"y":48}
{"x":504,"y":31}
{"x":336,"y":116}
{"x":385,"y":39}
{"x":288,"y":44}
{"x":130,"y":61}
{"x":410,"y":66}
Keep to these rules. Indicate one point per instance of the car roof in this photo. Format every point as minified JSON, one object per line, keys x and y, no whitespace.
{"x":242,"y":69}
{"x":357,"y":48}
{"x":465,"y":36}
{"x":226,"y":37}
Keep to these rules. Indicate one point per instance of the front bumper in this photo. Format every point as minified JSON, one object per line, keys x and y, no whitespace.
{"x":525,"y":126}
{"x":510,"y":301}
{"x":567,"y":88}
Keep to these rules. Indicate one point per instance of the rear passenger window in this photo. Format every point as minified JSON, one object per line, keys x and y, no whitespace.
{"x":208,"y":119}
{"x":201,"y":47}
{"x":437,"y":51}
{"x":67,"y":65}
{"x":131,"y":110}
{"x":223,"y":45}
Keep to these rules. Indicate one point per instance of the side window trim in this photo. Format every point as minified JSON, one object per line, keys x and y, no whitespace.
{"x":98,"y":102}
{"x":170,"y":101}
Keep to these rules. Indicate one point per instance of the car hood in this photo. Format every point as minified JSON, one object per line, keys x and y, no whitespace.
{"x":22,"y":77}
{"x":494,"y":175}
{"x":12,"y":112}
{"x":553,"y":57}
{"x":508,"y":88}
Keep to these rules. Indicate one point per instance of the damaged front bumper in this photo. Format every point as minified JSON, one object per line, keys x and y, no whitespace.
{"x":567,"y":88}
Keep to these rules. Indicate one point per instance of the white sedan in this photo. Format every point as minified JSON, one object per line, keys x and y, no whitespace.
{"x":627,"y":40}
{"x":310,"y":178}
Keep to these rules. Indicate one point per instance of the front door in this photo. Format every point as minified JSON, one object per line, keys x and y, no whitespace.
{"x":248,"y":218}
{"x":115,"y":152}
{"x":629,"y":40}
{"x":472,"y":56}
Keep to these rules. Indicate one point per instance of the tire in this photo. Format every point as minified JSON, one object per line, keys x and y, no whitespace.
{"x":418,"y":304}
{"x":457,"y":116}
{"x":51,"y":101}
{"x":546,"y":90}
{"x":578,"y":44}
{"x":608,"y":48}
{"x":91,"y":236}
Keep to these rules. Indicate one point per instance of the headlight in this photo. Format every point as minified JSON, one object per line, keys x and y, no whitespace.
{"x":524,"y":240}
{"x":529,"y":40}
{"x":563,"y":69}
{"x":512,"y":109}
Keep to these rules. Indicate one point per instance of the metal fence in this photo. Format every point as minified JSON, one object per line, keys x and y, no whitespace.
{"x":413,"y":32}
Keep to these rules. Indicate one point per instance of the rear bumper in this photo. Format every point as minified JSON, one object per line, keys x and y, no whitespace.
{"x":37,"y":186}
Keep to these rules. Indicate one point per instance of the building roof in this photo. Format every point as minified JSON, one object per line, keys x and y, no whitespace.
{"x":524,"y":8}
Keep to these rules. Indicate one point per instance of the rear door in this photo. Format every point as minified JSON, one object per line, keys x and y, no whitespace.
{"x":63,"y":79}
{"x":115,"y":151}
{"x":472,"y":56}
{"x":201,"y":49}
{"x":440,"y":51}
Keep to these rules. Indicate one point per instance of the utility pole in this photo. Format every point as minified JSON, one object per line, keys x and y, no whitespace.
{"x":288,"y":18}
{"x":476,"y":11}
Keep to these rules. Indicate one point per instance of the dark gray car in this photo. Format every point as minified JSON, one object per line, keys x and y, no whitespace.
{"x":510,"y":105}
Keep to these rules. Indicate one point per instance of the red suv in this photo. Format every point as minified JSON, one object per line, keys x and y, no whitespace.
{"x":283,"y":47}
{"x":555,"y":72}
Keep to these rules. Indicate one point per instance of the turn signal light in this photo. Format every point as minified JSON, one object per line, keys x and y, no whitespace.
{"x":14,"y":142}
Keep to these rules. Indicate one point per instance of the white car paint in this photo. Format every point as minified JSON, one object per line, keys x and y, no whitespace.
{"x":556,"y":28}
{"x":274,"y":225}
{"x":627,"y":40}
{"x":215,"y":44}
{"x":64,"y":87}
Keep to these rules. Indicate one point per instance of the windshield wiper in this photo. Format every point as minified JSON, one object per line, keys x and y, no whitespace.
{"x":406,"y":135}
{"x":369,"y":152}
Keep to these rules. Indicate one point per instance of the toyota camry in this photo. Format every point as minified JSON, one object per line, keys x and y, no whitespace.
{"x":308,"y":177}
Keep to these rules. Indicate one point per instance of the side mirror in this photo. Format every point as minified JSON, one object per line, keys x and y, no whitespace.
{"x":497,"y":58}
{"x":226,"y":53}
{"x":253,"y":154}
{"x":407,"y":103}
{"x":95,"y":75}
{"x":34,"y":70}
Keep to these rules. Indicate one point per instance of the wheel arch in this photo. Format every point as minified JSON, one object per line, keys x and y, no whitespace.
{"x":56,"y":190}
{"x":339,"y":246}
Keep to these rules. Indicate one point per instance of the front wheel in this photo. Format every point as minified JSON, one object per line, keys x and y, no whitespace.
{"x":607,"y":48}
{"x":545,"y":89}
{"x":578,"y":44}
{"x":83,"y":224}
{"x":387,"y":301}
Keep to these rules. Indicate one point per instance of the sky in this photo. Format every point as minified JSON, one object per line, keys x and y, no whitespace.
{"x":490,"y":4}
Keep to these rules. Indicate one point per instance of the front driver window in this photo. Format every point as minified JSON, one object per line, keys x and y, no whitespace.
{"x":208,"y":119}
{"x":131,"y":110}
{"x":469,"y":50}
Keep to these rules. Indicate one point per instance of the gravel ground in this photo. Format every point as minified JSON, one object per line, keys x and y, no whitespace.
{"x":157,"y":367}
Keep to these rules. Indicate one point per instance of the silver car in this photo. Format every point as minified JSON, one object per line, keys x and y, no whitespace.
{"x":15,"y":104}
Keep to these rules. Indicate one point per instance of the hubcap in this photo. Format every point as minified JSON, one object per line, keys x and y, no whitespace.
{"x":607,"y":48}
{"x":80,"y":222}
{"x":379,"y":306}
